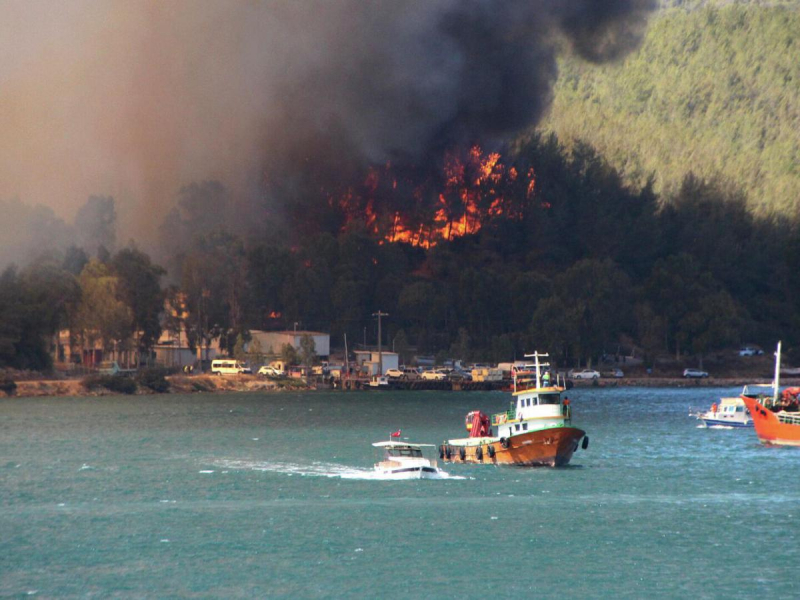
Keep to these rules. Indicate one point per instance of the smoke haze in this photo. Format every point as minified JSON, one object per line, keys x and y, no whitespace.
{"x":135,"y":99}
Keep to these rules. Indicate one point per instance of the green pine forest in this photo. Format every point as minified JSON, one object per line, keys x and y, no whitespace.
{"x":713,"y":90}
{"x":663,"y":217}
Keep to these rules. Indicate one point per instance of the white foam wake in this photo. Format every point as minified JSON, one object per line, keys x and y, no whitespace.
{"x":314,"y":469}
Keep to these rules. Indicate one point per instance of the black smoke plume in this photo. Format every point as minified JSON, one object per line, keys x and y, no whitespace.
{"x":136,"y":100}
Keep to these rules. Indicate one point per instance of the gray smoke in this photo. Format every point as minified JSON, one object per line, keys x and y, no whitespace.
{"x":134,"y":100}
{"x":401,"y":79}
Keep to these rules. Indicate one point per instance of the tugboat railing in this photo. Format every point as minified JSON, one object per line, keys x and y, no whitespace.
{"x":504,"y":417}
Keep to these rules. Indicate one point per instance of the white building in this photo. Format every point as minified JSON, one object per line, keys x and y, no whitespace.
{"x":273,"y":341}
{"x":368,"y":361}
{"x":172,"y":350}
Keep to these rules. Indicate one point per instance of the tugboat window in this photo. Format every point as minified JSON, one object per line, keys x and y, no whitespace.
{"x":517,"y":426}
{"x":525,"y":427}
{"x":549,"y":399}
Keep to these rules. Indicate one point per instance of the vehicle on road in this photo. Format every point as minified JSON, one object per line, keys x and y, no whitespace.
{"x":229,"y":367}
{"x":750,"y":351}
{"x":614,"y":373}
{"x":694,"y":374}
{"x":585,"y":374}
{"x":459,"y":375}
{"x":111,"y":367}
{"x":434,"y":375}
{"x":270,"y":371}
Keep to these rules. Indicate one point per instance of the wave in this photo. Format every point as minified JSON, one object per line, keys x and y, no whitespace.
{"x":313,"y":469}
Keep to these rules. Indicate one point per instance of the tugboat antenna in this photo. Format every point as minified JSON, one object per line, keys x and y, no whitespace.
{"x":535,"y":356}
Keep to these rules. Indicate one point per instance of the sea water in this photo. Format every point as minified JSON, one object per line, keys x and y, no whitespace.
{"x":273,"y":495}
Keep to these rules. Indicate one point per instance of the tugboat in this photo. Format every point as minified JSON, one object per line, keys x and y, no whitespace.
{"x":536,"y":431}
{"x":776,"y":416}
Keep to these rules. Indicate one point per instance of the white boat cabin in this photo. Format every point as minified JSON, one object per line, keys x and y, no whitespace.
{"x":537,"y":403}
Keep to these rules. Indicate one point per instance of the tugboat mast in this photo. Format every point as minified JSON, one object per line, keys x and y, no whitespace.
{"x":535,"y":356}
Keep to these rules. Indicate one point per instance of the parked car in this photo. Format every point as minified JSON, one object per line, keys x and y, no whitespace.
{"x":586,"y":374}
{"x":229,"y":367}
{"x":459,"y":375}
{"x":614,"y":373}
{"x":269,"y":371}
{"x":694,"y":373}
{"x":394,"y":374}
{"x":434,"y":375}
{"x":750,"y":351}
{"x":111,"y":367}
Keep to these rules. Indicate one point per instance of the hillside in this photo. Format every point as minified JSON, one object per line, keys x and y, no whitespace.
{"x":714,"y":90}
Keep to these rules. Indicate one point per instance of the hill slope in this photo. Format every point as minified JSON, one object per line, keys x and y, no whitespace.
{"x":714,"y":90}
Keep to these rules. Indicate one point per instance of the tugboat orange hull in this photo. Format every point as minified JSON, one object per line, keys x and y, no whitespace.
{"x":769,"y":428}
{"x":544,"y":448}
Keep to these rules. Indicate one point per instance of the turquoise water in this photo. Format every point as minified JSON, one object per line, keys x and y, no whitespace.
{"x":253,"y":495}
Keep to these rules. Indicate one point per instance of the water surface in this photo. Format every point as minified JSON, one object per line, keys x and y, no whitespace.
{"x":254,"y":495}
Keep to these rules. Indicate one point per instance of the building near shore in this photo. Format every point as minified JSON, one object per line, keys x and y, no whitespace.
{"x":172,"y":350}
{"x":368,"y":361}
{"x":272,"y":341}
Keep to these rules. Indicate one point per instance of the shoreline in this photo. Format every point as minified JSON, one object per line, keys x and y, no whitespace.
{"x":179,"y":384}
{"x":199,"y":384}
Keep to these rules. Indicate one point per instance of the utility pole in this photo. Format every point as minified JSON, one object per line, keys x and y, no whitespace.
{"x":380,"y":314}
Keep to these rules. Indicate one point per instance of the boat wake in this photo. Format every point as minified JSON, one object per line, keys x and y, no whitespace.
{"x":314,"y":469}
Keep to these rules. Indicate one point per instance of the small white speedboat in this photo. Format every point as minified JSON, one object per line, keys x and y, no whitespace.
{"x":730,"y":412}
{"x":403,"y":460}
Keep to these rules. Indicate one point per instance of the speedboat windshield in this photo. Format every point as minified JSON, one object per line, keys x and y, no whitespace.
{"x":404,"y":451}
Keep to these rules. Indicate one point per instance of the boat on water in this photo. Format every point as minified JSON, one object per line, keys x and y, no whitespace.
{"x":729,"y":413}
{"x":776,"y":415}
{"x":379,"y":382}
{"x":536,"y":431}
{"x":404,"y":460}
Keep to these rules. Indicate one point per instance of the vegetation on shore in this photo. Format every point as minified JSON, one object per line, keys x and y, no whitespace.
{"x":714,"y":90}
{"x":660,"y":215}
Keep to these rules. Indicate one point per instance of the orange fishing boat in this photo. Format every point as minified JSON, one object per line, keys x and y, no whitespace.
{"x":776,"y":416}
{"x":536,"y":431}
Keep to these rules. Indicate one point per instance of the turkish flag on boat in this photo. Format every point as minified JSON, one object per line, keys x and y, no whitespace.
{"x":396,"y":433}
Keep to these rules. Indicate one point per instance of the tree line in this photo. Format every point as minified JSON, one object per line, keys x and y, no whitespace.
{"x":595,"y":264}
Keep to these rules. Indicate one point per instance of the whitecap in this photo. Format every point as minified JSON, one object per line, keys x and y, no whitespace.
{"x":314,"y":469}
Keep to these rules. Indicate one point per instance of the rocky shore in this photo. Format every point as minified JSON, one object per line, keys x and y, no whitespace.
{"x":178,"y":384}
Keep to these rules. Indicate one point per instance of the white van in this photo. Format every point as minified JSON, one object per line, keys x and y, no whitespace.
{"x":228,"y":367}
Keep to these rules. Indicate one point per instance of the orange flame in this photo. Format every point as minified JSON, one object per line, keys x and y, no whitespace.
{"x":475,"y":188}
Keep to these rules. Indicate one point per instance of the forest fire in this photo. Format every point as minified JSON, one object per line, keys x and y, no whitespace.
{"x":423,"y":209}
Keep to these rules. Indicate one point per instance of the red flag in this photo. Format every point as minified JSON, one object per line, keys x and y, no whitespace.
{"x":396,"y":433}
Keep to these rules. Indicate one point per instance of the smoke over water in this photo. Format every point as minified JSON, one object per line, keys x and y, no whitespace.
{"x":136,"y":99}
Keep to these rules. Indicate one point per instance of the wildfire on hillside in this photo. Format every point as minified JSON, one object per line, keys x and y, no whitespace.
{"x":472,"y":188}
